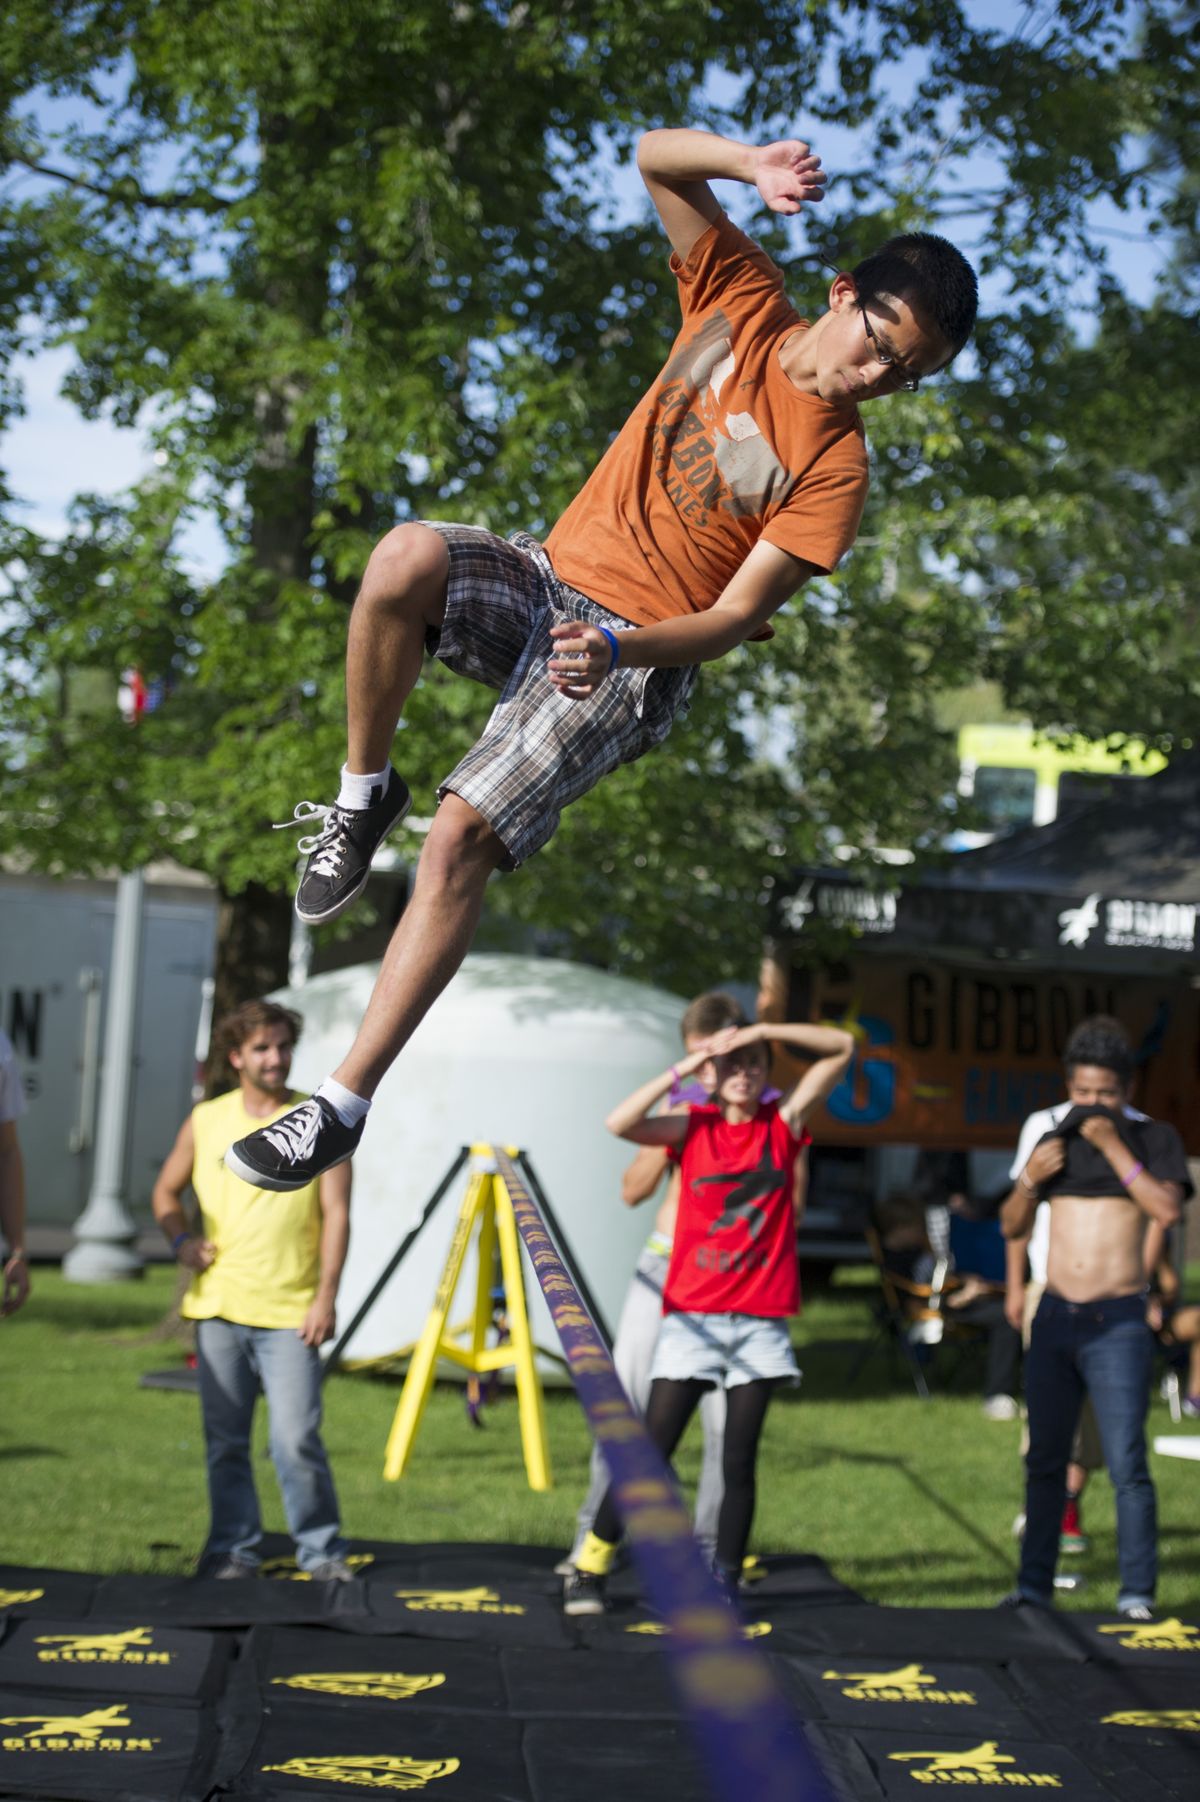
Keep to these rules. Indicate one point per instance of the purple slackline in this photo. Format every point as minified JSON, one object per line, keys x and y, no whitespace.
{"x":751,"y":1744}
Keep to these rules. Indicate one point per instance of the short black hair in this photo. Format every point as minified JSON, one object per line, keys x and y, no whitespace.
{"x":1104,"y":1042}
{"x":933,"y":272}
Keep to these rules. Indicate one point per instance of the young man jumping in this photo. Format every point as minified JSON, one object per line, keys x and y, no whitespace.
{"x":740,"y":475}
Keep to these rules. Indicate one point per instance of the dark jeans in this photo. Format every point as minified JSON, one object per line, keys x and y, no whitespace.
{"x":1103,"y":1348}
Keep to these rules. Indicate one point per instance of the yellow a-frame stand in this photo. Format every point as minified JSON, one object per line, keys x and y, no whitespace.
{"x":487,"y":1209}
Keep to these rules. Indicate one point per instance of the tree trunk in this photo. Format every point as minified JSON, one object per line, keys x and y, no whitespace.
{"x":254,"y":931}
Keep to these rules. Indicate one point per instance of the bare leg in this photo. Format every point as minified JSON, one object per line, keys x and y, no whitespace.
{"x":429,"y":943}
{"x":403,"y":593}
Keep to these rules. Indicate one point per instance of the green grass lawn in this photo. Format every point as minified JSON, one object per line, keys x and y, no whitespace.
{"x":908,"y":1501}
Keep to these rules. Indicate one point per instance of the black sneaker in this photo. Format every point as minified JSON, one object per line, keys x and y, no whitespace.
{"x":726,"y":1581}
{"x":339,"y":856}
{"x":294,"y":1149}
{"x":1016,"y":1598}
{"x":583,"y":1593}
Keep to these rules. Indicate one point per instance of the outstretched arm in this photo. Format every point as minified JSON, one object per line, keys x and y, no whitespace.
{"x":767,"y":578}
{"x":830,"y":1049}
{"x":677,"y":167}
{"x":630,"y":1118}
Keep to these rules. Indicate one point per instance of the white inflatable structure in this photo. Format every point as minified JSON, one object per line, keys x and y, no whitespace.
{"x":522,"y":1051}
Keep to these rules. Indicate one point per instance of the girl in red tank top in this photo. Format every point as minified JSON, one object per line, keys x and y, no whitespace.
{"x":734,"y":1276}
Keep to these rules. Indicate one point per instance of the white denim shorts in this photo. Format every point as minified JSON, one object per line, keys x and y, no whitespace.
{"x":724,"y":1349}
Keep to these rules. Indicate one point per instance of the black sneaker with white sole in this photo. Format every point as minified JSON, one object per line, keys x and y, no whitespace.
{"x":294,"y":1149}
{"x":583,"y":1593}
{"x":339,"y":855}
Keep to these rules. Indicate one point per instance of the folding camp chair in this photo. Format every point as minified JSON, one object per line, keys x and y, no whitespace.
{"x":910,"y":1318}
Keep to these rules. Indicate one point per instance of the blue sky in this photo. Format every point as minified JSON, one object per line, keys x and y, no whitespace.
{"x":51,"y":453}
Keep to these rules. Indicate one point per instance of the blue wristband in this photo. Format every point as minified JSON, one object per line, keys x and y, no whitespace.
{"x":178,"y":1240}
{"x":614,"y":645}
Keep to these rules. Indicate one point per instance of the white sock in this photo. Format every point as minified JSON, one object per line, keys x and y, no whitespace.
{"x":349,"y":1107}
{"x":355,"y":792}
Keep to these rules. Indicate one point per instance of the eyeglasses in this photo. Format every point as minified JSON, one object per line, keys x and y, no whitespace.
{"x":910,"y":383}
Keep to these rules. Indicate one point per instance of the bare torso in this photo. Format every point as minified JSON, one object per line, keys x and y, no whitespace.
{"x":1095,"y":1247}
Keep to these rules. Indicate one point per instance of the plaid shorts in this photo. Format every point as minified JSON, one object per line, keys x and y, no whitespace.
{"x":539,"y":750}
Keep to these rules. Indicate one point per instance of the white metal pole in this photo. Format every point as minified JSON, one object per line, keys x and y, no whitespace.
{"x":103,"y":1251}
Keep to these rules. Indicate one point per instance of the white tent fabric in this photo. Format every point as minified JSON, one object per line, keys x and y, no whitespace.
{"x":522,"y":1051}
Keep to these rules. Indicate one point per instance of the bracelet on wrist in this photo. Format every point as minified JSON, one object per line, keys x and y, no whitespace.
{"x":1029,"y":1188}
{"x":178,"y":1240}
{"x":614,"y":645}
{"x":1132,"y":1175}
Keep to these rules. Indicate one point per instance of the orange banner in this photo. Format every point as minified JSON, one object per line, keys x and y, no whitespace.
{"x":959,"y":1057}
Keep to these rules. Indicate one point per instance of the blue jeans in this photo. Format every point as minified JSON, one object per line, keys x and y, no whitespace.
{"x":1104,"y":1349}
{"x":237,"y":1364}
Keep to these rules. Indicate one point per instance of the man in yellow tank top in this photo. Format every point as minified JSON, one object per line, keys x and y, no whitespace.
{"x":263,"y":1295}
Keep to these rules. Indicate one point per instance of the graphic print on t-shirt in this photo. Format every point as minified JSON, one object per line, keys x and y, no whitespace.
{"x":742,"y":1202}
{"x":708,"y":456}
{"x":735,"y":1236}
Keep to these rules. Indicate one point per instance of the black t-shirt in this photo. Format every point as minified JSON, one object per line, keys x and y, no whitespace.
{"x":1086,"y":1170}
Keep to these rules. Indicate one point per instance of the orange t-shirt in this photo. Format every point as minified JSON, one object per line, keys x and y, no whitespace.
{"x":722,"y":451}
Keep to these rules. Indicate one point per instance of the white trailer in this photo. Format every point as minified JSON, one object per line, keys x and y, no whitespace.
{"x":55,"y":953}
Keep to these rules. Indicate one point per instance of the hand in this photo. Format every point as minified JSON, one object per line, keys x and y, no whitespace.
{"x":320,"y":1322}
{"x":197,"y":1254}
{"x":1014,"y":1306}
{"x":1154,"y":1313}
{"x":1045,"y":1161}
{"x":787,"y":174}
{"x":581,"y":659}
{"x":16,"y":1284}
{"x":728,"y":1039}
{"x":1099,"y":1132}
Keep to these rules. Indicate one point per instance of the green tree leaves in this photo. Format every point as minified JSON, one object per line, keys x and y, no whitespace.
{"x":345,"y":263}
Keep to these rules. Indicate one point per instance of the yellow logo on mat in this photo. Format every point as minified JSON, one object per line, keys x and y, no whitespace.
{"x":456,"y":1601}
{"x":652,"y":1629}
{"x":134,"y":1646}
{"x":1179,"y":1720}
{"x":909,"y":1683}
{"x":289,"y":1571}
{"x":1156,"y":1636}
{"x":369,"y":1773}
{"x":390,"y":1686}
{"x":92,"y":1732}
{"x":978,"y":1766}
{"x":17,"y":1598}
